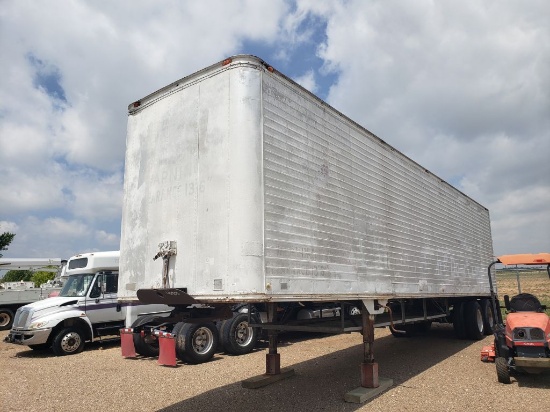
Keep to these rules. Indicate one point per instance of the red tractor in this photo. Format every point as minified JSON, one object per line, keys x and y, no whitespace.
{"x":522,"y":343}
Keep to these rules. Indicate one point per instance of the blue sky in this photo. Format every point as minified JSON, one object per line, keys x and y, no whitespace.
{"x":463,"y":88}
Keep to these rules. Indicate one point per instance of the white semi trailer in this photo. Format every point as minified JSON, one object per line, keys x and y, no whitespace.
{"x":243,"y":187}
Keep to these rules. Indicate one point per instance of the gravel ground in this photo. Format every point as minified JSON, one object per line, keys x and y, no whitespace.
{"x":432,"y":373}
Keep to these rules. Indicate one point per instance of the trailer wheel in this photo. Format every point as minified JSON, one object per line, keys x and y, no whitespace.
{"x":6,"y":319}
{"x":237,"y":336}
{"x":147,"y":345}
{"x":458,"y":320}
{"x":69,"y":341}
{"x":197,"y":342}
{"x":473,"y":318}
{"x":503,"y":372}
{"x":180,"y":342}
{"x":488,"y":316}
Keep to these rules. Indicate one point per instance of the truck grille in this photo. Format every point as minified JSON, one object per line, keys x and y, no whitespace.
{"x":21,"y":317}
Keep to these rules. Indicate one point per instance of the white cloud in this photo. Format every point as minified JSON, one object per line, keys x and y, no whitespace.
{"x":307,"y":80}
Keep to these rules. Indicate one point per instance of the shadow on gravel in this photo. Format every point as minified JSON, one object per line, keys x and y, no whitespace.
{"x":538,"y":381}
{"x":320,"y":383}
{"x":89,"y":346}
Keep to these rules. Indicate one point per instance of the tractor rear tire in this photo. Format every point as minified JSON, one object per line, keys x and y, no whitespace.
{"x":145,"y":345}
{"x":196,"y":342}
{"x":238,"y":338}
{"x":503,"y":372}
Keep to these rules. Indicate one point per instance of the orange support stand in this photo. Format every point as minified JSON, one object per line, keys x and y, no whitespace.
{"x":127,"y":343}
{"x":167,"y":349}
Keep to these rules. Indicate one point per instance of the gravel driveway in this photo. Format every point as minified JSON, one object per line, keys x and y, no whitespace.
{"x":432,"y":373}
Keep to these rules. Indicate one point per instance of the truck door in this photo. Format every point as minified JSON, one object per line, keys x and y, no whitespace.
{"x":101,"y":304}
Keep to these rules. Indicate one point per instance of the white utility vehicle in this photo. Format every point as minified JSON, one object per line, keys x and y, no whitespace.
{"x":85,"y":309}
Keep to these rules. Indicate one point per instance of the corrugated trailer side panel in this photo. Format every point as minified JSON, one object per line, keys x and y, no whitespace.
{"x":347,"y":215}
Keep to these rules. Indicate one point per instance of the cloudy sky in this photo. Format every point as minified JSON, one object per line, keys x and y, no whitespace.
{"x":462,"y":87}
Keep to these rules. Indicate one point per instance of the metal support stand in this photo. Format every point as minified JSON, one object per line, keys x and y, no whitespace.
{"x":369,"y":368}
{"x":273,"y":371}
{"x":371,"y":385}
{"x":272,"y":358}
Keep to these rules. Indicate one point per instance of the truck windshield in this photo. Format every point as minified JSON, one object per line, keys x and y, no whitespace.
{"x":77,"y":285}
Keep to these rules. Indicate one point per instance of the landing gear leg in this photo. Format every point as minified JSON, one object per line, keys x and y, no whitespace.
{"x":273,"y":371}
{"x":369,"y":368}
{"x":272,"y":358}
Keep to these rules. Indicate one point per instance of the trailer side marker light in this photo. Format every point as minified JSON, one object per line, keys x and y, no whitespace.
{"x":226,"y":62}
{"x":270,"y":69}
{"x":137,"y":104}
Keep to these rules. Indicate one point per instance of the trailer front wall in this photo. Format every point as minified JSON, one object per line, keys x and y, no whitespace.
{"x":346,"y":214}
{"x":193,"y":176}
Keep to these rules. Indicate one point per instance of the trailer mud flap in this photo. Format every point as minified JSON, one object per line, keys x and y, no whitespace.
{"x":170,"y":297}
{"x":167,"y":349}
{"x":127,"y":343}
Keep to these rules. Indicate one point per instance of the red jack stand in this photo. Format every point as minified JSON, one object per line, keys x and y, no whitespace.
{"x":127,"y":343}
{"x":167,"y":349}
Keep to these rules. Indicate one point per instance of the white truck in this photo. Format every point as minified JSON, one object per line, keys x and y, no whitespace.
{"x":242,"y":186}
{"x":13,"y":295}
{"x":85,"y":309}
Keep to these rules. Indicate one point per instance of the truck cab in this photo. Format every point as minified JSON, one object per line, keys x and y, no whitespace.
{"x":85,"y":309}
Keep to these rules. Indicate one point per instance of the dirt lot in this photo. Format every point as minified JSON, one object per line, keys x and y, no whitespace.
{"x":432,"y":373}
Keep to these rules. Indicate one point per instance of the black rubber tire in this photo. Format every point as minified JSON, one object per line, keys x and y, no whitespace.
{"x":236,"y":336}
{"x":197,"y":342}
{"x":68,"y":341}
{"x":180,"y":342}
{"x":40,"y":346}
{"x":488,"y":317}
{"x":458,"y":320}
{"x":145,"y":345}
{"x":473,"y":318}
{"x":503,"y":372}
{"x":6,"y":319}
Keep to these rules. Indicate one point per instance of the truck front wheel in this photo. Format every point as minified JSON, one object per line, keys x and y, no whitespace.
{"x":68,"y":342}
{"x":197,"y":342}
{"x":6,"y":319}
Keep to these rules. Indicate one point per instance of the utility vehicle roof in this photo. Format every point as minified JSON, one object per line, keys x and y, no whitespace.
{"x":525,"y":259}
